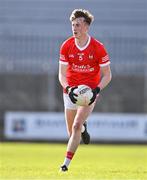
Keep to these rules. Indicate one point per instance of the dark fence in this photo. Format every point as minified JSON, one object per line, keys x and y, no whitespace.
{"x":40,"y":55}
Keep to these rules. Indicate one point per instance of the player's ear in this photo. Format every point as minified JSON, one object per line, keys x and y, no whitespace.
{"x":86,"y":26}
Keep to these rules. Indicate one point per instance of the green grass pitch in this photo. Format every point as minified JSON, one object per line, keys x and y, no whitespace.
{"x":41,"y":161}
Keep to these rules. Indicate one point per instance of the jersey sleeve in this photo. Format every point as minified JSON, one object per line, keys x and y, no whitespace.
{"x":63,"y":54}
{"x":103,"y":56}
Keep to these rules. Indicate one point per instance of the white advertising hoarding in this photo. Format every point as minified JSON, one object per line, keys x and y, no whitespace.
{"x":26,"y":125}
{"x":51,"y":126}
{"x":119,"y":127}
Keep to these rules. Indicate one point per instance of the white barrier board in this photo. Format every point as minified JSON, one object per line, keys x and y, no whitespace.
{"x":51,"y":126}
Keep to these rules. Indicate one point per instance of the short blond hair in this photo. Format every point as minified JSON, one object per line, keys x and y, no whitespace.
{"x":77,"y":13}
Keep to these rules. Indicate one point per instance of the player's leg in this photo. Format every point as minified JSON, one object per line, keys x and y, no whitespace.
{"x":70,"y":110}
{"x":70,"y":113}
{"x":74,"y":141}
{"x":85,"y":135}
{"x":80,"y":118}
{"x":69,"y":117}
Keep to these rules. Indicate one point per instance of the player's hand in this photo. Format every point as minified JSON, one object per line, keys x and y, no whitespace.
{"x":95,"y":93}
{"x":71,"y":94}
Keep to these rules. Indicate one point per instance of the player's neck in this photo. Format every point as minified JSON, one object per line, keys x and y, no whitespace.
{"x":82,"y":41}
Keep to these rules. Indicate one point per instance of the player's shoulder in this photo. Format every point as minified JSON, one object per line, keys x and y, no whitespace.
{"x":96,"y":42}
{"x":67,"y":42}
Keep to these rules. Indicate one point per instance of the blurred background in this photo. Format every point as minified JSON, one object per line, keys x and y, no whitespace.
{"x":31,"y":32}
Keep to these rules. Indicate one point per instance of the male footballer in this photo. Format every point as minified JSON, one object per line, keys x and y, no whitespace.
{"x":83,"y":60}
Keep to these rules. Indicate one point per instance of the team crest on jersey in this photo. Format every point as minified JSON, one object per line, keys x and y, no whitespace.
{"x":90,"y":56}
{"x":80,"y":56}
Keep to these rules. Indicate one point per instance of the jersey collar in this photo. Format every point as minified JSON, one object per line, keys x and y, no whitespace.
{"x":84,"y":47}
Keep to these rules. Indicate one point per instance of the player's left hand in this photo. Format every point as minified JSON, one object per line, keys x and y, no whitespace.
{"x":95,"y":93}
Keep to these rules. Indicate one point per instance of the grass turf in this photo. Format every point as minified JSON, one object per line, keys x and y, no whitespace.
{"x":24,"y":161}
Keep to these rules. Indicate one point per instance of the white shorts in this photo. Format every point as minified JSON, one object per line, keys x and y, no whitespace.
{"x":68,"y":103}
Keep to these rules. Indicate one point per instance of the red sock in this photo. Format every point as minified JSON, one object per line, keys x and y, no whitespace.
{"x":69,"y":155}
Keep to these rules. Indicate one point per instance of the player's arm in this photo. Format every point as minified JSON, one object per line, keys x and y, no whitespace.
{"x":63,"y":81}
{"x":62,"y":75}
{"x":106,"y":76}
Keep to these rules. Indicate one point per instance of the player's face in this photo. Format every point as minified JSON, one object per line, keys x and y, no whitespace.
{"x":79,"y":27}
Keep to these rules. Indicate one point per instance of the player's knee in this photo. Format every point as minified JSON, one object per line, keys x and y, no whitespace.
{"x":77,"y":126}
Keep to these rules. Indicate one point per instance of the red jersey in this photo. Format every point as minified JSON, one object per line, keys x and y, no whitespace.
{"x":83,"y":63}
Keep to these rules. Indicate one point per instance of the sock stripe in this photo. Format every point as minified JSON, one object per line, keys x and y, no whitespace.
{"x":69,"y":155}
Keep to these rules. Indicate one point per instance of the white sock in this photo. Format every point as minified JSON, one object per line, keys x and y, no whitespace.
{"x":83,"y":129}
{"x":66,"y":162}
